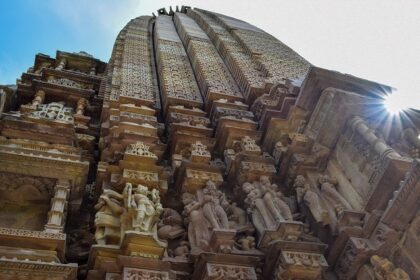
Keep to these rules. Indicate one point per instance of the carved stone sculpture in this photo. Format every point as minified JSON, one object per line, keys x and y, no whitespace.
{"x":270,"y":213}
{"x":141,"y":209}
{"x":236,"y":215}
{"x":381,"y":269}
{"x":182,"y":251}
{"x":81,"y":106}
{"x":213,"y":211}
{"x":171,"y":224}
{"x":107,"y":219}
{"x":144,"y":205}
{"x":198,"y":226}
{"x":260,"y":215}
{"x":246,"y":243}
{"x":310,"y":199}
{"x":274,"y":199}
{"x":331,"y":195}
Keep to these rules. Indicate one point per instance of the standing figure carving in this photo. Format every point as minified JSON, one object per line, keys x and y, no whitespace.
{"x":260,"y":214}
{"x":213,"y":199}
{"x":274,"y":200}
{"x":144,"y":206}
{"x":198,"y":226}
{"x":137,"y":209}
{"x":310,"y":199}
{"x":328,"y":189}
{"x":265,"y":204}
{"x":107,"y":219}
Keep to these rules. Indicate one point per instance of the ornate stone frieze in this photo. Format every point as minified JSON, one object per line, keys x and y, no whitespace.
{"x":66,"y":82}
{"x":140,"y":274}
{"x":53,"y":111}
{"x":35,"y":269}
{"x":140,"y":149}
{"x":217,"y":271}
{"x":32,"y":234}
{"x":300,"y":265}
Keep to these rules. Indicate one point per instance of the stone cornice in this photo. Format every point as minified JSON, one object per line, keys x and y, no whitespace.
{"x":32,"y":268}
{"x":32,"y":234}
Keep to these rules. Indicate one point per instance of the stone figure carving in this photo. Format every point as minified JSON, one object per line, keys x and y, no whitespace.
{"x":213,"y":202}
{"x":207,"y":210}
{"x":82,"y":103}
{"x":198,"y":226}
{"x":381,"y":269}
{"x":180,"y":252}
{"x":140,"y":207}
{"x":236,"y":216}
{"x":246,"y":243}
{"x":327,"y":186}
{"x":144,"y":205}
{"x":310,"y":199}
{"x":275,"y":199}
{"x":170,"y":225}
{"x":256,"y":207}
{"x":107,"y":219}
{"x":265,"y":205}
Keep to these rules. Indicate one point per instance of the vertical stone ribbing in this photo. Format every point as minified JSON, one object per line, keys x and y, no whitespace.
{"x":256,"y":59}
{"x":243,"y":68}
{"x":177,"y":81}
{"x":213,"y":77}
{"x":138,"y":84}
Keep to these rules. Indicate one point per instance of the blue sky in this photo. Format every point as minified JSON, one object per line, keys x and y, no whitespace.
{"x":372,"y":39}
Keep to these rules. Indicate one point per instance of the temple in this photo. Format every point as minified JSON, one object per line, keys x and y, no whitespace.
{"x":204,"y":149}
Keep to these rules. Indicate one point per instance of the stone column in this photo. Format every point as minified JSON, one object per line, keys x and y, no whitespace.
{"x":81,"y":106}
{"x":38,"y":98}
{"x":56,"y":216}
{"x":379,"y":145}
{"x":62,"y":64}
{"x":93,"y":70}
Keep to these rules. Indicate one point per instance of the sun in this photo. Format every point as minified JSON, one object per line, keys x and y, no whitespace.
{"x":394,"y":104}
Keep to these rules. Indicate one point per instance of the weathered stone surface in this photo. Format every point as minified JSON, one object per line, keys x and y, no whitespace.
{"x":204,"y":149}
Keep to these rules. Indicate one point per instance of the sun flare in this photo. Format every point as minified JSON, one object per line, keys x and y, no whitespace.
{"x":394,"y":104}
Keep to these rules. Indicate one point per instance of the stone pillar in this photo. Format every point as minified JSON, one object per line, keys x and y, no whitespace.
{"x":379,"y":145}
{"x":93,"y":70}
{"x":56,"y":216}
{"x":81,"y":106}
{"x":38,"y":98}
{"x":62,"y":64}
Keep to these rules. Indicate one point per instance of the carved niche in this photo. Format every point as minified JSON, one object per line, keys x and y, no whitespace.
{"x":28,"y":198}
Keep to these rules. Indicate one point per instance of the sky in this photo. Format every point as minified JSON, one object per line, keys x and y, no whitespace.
{"x":371,"y":39}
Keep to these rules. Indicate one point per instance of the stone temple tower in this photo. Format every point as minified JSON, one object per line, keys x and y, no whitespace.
{"x":205,"y":149}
